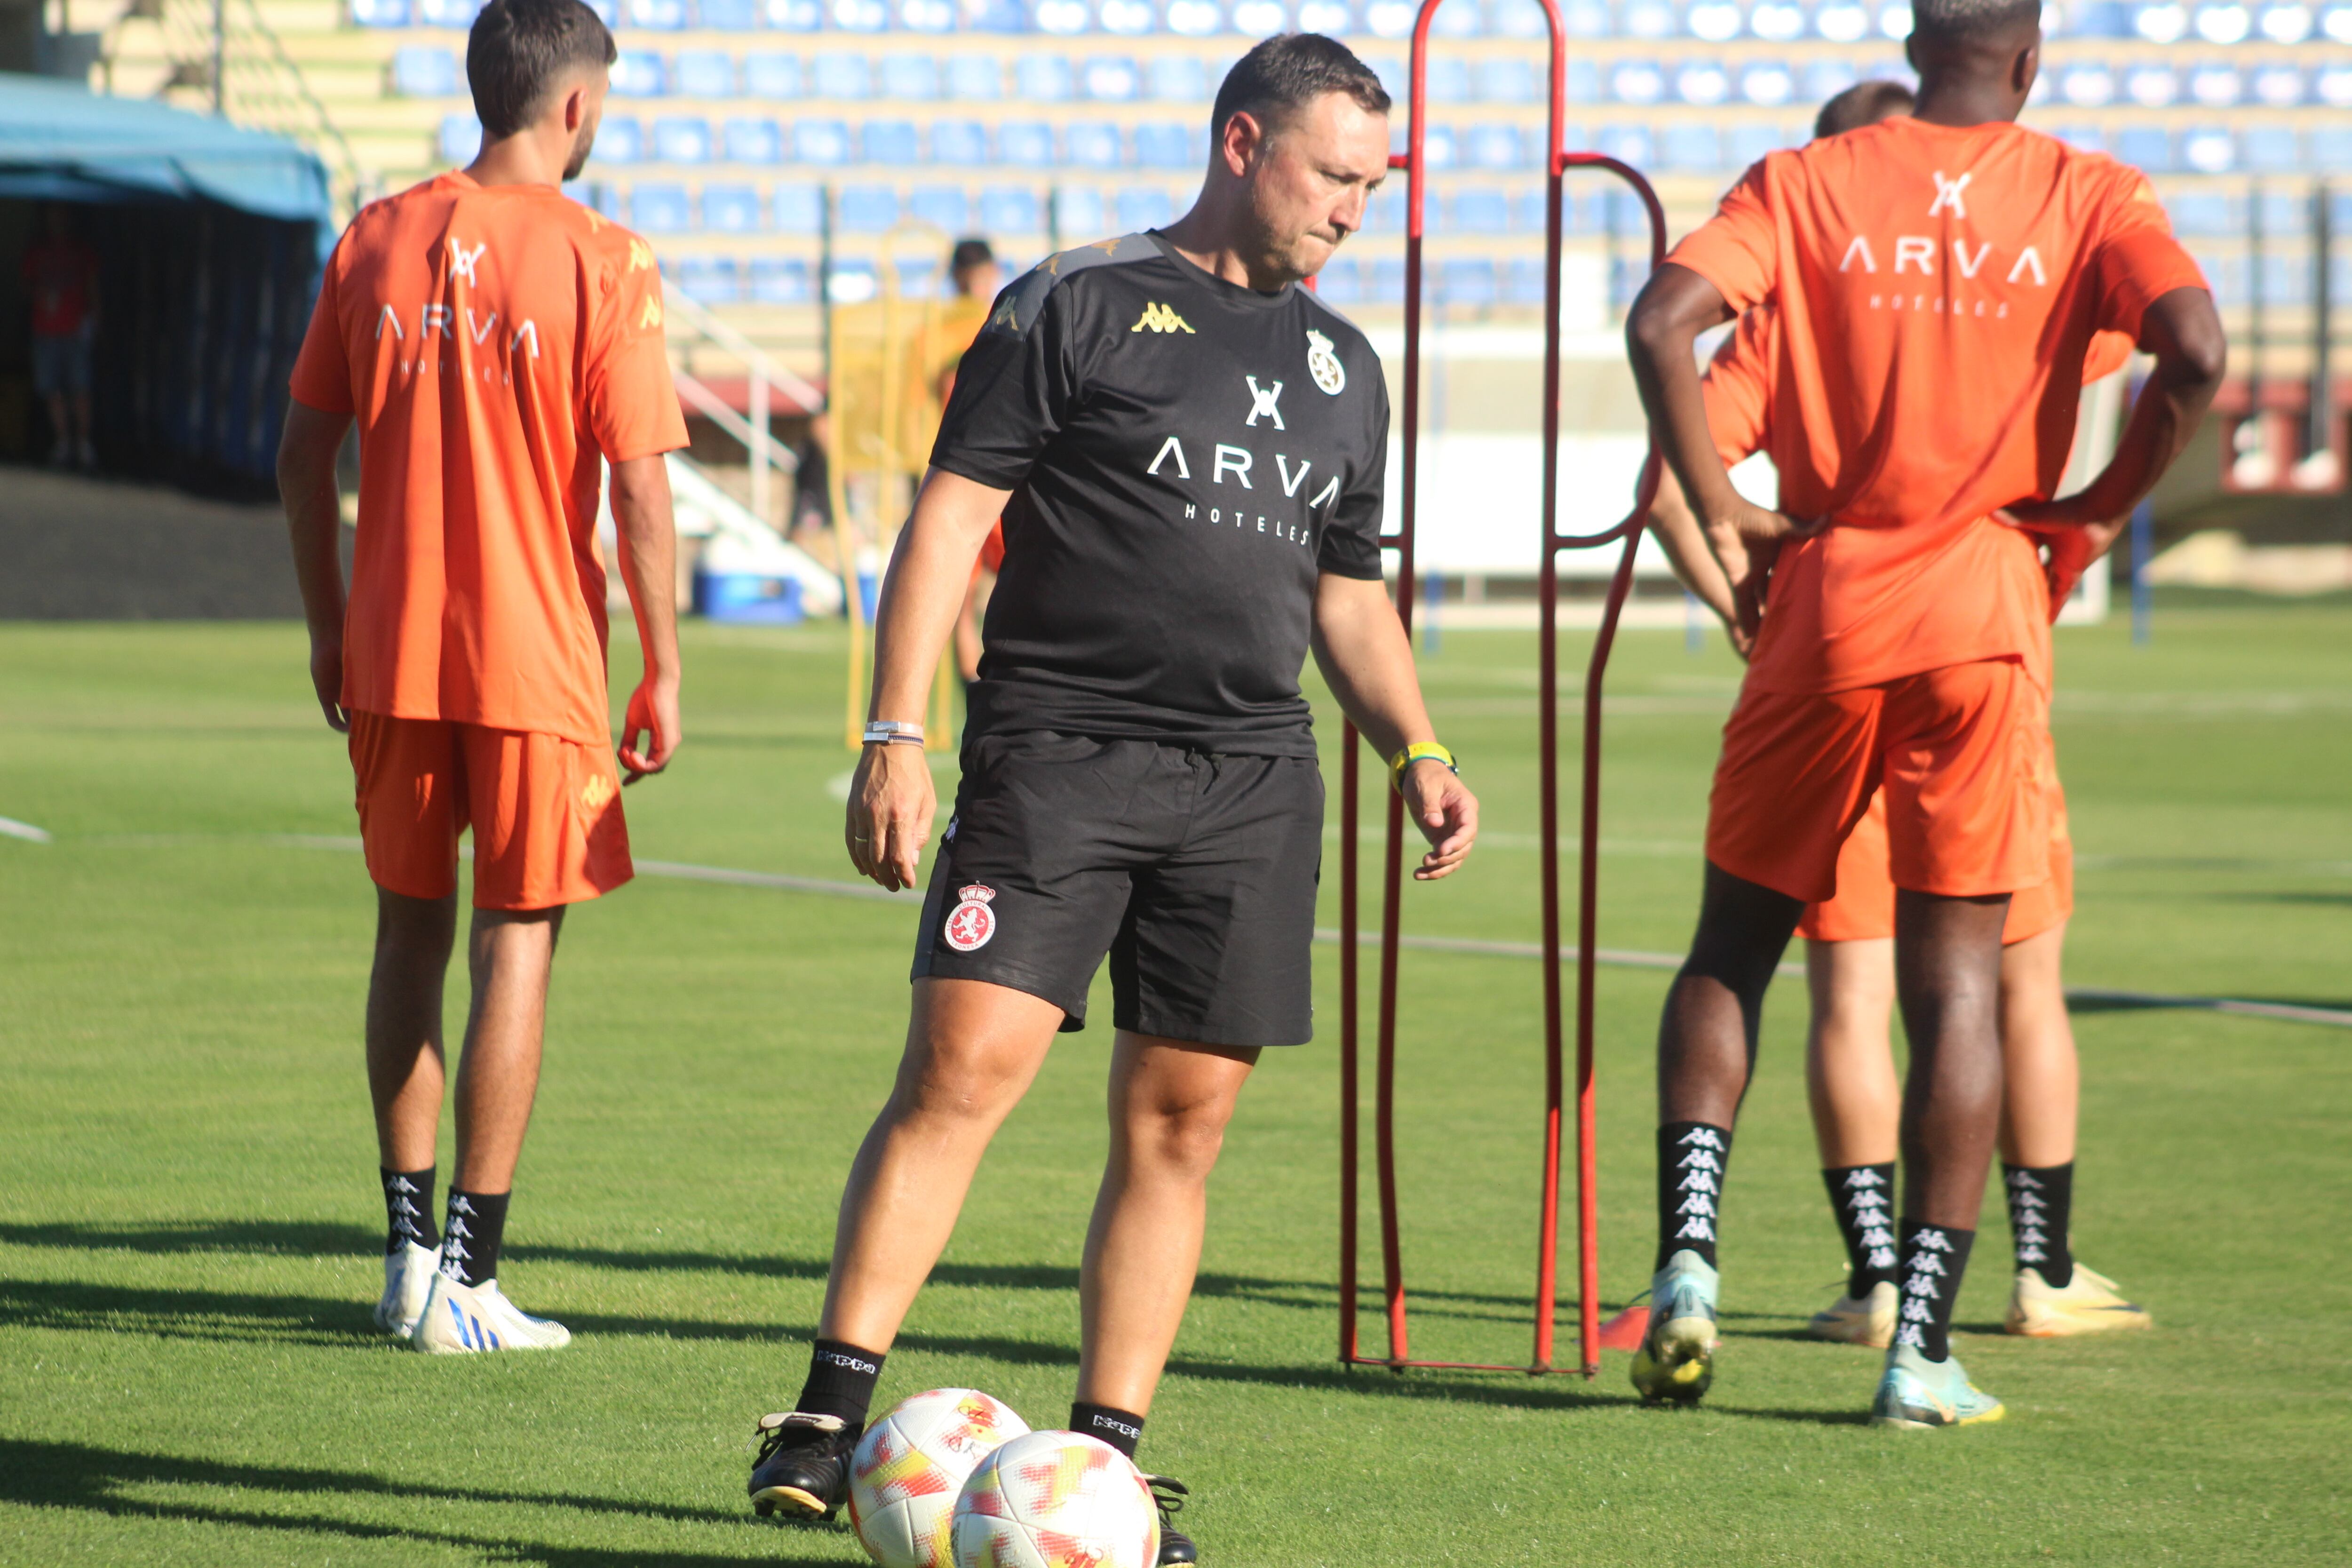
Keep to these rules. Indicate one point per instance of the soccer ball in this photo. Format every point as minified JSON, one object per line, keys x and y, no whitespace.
{"x":909,"y":1466}
{"x":1057,"y":1499}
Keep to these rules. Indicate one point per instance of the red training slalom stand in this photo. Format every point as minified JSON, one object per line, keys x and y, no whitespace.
{"x":1559,"y":160}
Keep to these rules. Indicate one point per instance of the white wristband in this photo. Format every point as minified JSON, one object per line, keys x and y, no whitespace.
{"x":892,"y":731}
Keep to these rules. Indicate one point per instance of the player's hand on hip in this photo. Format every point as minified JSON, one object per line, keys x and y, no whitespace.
{"x":1755,"y":524}
{"x":327,"y":680}
{"x":652,"y":714}
{"x":1442,"y":805}
{"x":891,"y":804}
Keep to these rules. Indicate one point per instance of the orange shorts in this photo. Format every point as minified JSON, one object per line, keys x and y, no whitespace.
{"x":546,"y":812}
{"x":1952,"y":752}
{"x":1863,"y":908}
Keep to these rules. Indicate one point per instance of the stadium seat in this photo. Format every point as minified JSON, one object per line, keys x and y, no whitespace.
{"x":2286,"y":212}
{"x":836,"y":75}
{"x":1091,"y":144}
{"x":608,"y":12}
{"x":773,"y":76}
{"x":1464,"y":280}
{"x":1479,"y":210}
{"x":1060,"y":18}
{"x":730,"y":209}
{"x":1341,"y":282}
{"x":825,"y":142}
{"x":1384,"y":214}
{"x":453,"y":14}
{"x":975,"y":79}
{"x":1747,"y":143}
{"x":1895,"y":20}
{"x":1714,"y":21}
{"x":959,"y":142}
{"x":797,"y":207}
{"x":2217,"y":86}
{"x":1078,"y":215}
{"x":2279,"y":86}
{"x":1011,"y":209}
{"x":2097,"y":19}
{"x":2204,"y":214}
{"x":1703,"y":82}
{"x":655,"y":16}
{"x":864,"y":208}
{"x":661,"y":207}
{"x":1583,"y":82}
{"x":1636,"y":81}
{"x":1448,"y":79}
{"x":913,"y":78}
{"x":680,"y":140}
{"x":460,"y":139}
{"x":703,"y":73}
{"x":1162,"y":145}
{"x":1391,"y":18}
{"x":917,"y":276}
{"x":780,"y":280}
{"x":2228,"y":22}
{"x":1587,"y":18}
{"x":638,"y":73}
{"x":1176,"y":78}
{"x":793,"y":16}
{"x":1491,"y":146}
{"x":2145,"y":147}
{"x":1628,"y":144}
{"x":380,"y":13}
{"x":1144,"y":206}
{"x":2331,"y":151}
{"x":2083,"y":138}
{"x":1509,"y":79}
{"x":1457,"y":21}
{"x":1528,"y":210}
{"x":619,"y":139}
{"x":1042,"y":78}
{"x":1026,"y":143}
{"x":749,"y":141}
{"x":727,"y":15}
{"x":995,"y":17}
{"x":2272,"y":148}
{"x":1777,"y":21}
{"x":1842,"y":21}
{"x":1523,"y":280}
{"x":2152,"y":86}
{"x":1390,"y":69}
{"x":2164,"y":22}
{"x":1767,"y":83}
{"x":1439,"y":148}
{"x":1193,"y":18}
{"x":2209,"y":149}
{"x":2087,"y":86}
{"x":859,"y":15}
{"x":1259,"y":19}
{"x":1332,"y":18}
{"x":422,"y":70}
{"x":926,"y":16}
{"x":852,"y":283}
{"x":2289,"y":24}
{"x":1824,"y":79}
{"x":1127,"y":18}
{"x":1690,"y":145}
{"x":890,"y":142}
{"x":2332,"y":85}
{"x":1647,"y":19}
{"x":945,"y":207}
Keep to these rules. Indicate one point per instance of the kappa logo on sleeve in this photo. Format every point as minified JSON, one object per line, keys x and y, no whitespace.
{"x":971,"y":922}
{"x":1159,"y":319}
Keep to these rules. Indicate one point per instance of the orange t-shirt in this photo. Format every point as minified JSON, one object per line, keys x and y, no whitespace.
{"x":1936,"y":289}
{"x":494,"y":342}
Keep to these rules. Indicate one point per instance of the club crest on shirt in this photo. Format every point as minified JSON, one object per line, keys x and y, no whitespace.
{"x":971,"y":922}
{"x":1324,"y":365}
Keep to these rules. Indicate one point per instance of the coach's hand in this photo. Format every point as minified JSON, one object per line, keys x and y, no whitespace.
{"x":1447,"y":812}
{"x":327,"y":680}
{"x":890,"y":807}
{"x":653,"y":713}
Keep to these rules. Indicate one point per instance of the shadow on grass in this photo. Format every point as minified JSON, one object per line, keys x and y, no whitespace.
{"x":74,"y":1475}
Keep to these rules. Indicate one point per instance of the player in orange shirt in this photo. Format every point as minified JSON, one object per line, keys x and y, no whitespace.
{"x":498,"y":345}
{"x":1936,"y":281}
{"x":1849,"y":939}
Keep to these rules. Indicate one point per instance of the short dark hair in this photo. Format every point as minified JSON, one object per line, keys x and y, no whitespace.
{"x":1969,"y":21}
{"x":972,"y":252}
{"x":518,"y":48}
{"x":1864,"y":103}
{"x":1290,"y":70}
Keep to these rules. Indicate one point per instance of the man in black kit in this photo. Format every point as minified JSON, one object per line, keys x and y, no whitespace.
{"x":1187,"y":449}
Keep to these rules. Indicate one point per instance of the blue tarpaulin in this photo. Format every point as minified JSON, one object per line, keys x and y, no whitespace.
{"x":61,"y":142}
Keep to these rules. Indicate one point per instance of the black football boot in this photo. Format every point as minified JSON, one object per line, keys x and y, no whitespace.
{"x":802,"y":1469}
{"x":1175,"y":1546}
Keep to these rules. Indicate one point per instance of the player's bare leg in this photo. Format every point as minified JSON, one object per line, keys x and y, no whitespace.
{"x":510,"y":953}
{"x":1857,"y":1102}
{"x":413,"y":938}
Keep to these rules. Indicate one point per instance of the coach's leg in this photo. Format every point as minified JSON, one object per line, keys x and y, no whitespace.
{"x":412,"y":940}
{"x":972,"y":1050}
{"x":1170,"y":1102}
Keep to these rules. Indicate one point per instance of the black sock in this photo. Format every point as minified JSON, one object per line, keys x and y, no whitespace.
{"x":1691,"y":1159}
{"x":471,"y":1236}
{"x":1861,"y":1198}
{"x":1934,"y":1256}
{"x":840,"y":1382}
{"x":1122,"y":1429}
{"x":2040,"y":1210}
{"x":408,"y":1209}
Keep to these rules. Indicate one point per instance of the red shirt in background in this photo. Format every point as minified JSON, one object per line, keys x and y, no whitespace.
{"x":61,"y":276}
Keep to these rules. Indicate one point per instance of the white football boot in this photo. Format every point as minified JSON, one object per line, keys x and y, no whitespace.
{"x":408,"y":1280}
{"x":462,"y":1318}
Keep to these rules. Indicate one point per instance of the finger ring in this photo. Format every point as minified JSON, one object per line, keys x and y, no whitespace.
{"x":860,"y":838}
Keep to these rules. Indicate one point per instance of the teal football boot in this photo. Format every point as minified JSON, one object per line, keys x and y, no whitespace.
{"x":1676,"y":1361}
{"x":1917,"y":1393}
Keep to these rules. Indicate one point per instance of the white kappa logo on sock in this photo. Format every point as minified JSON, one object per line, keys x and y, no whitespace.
{"x":971,"y":922}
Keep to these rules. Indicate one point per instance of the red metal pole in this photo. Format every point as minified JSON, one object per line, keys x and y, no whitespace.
{"x":1349,"y":1157}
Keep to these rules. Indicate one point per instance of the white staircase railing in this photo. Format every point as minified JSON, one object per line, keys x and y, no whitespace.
{"x":766,"y":377}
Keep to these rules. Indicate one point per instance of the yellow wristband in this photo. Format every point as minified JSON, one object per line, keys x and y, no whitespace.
{"x":1420,"y":752}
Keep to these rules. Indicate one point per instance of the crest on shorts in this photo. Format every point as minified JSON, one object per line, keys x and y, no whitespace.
{"x":1324,"y":365}
{"x":971,"y":922}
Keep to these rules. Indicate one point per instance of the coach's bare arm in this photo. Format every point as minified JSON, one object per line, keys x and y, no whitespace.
{"x":314,"y":517}
{"x":648,"y":530}
{"x":891,"y":802}
{"x":1360,"y":648}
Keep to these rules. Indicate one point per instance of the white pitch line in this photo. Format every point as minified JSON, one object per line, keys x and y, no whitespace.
{"x":13,"y":828}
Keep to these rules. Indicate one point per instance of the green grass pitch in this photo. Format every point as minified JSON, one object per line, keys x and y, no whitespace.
{"x":189,"y":1225}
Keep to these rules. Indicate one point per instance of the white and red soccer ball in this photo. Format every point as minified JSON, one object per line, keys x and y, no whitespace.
{"x":1057,"y":1499}
{"x":909,"y":1468}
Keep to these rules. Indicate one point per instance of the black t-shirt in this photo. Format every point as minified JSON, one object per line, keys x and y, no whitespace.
{"x":1185,"y":455}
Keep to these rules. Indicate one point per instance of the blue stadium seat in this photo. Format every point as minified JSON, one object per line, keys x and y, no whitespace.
{"x":1127,"y":18}
{"x":1448,"y":78}
{"x":655,"y":15}
{"x":1691,"y":144}
{"x":1162,"y":145}
{"x":2332,"y":85}
{"x":2083,"y":138}
{"x":2217,"y":85}
{"x":2148,"y":147}
{"x":662,"y":207}
{"x":1332,"y":18}
{"x":1583,"y":82}
{"x":1824,"y":79}
{"x":1523,"y":282}
{"x":2162,"y":22}
{"x":1078,"y":214}
{"x":1521,"y":19}
{"x":380,"y":13}
{"x":995,"y":17}
{"x":2087,"y":86}
{"x":1704,"y":82}
{"x":918,"y":277}
{"x":2209,"y":149}
{"x":454,"y":13}
{"x":1389,"y":68}
{"x":2097,"y":19}
{"x":773,"y":76}
{"x":1194,"y":18}
{"x":2152,"y":86}
{"x":1440,"y":149}
{"x":1259,"y":19}
{"x":1384,"y":214}
{"x":1387,"y":280}
{"x":608,"y":12}
{"x":1777,"y":21}
{"x":1144,"y":206}
{"x":1110,"y":79}
{"x":2287,"y":24}
{"x":859,"y":15}
{"x":1042,"y":78}
{"x":2331,"y":151}
{"x":1026,"y":143}
{"x":2272,"y":148}
{"x":913,"y":78}
{"x":1466,"y":280}
{"x":1060,"y":18}
{"x":1510,"y":79}
{"x":703,"y":73}
{"x":865,"y":208}
{"x":1091,"y":144}
{"x":727,"y":15}
{"x":1341,"y":282}
{"x":798,"y":207}
{"x":836,"y":75}
{"x":679,"y":140}
{"x":1767,"y":83}
{"x":959,"y":142}
{"x":1840,"y":21}
{"x":705,"y":280}
{"x":794,"y":15}
{"x":2199,"y":214}
{"x":1479,"y":210}
{"x":730,"y":209}
{"x":1714,"y":21}
{"x":2285,"y":213}
{"x":891,"y":143}
{"x":1527,"y":211}
{"x":780,"y":280}
{"x":423,"y":70}
{"x":460,"y":138}
{"x":746,"y":139}
{"x":2279,"y":86}
{"x":944,"y":206}
{"x":926,"y":16}
{"x":1491,"y":146}
{"x":975,"y":79}
{"x":821,"y":142}
{"x":619,"y":139}
{"x":1011,"y":209}
{"x":638,"y":73}
{"x":1637,"y":81}
{"x":1391,"y":18}
{"x":1747,"y":143}
{"x":2228,"y":22}
{"x":852,"y":283}
{"x":1628,"y":144}
{"x":1457,"y":21}
{"x":1647,"y":19}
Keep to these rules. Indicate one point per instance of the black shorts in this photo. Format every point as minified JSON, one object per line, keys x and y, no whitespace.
{"x":1195,"y":871}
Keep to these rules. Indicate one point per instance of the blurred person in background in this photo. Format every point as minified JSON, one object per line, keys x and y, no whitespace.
{"x":61,"y":278}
